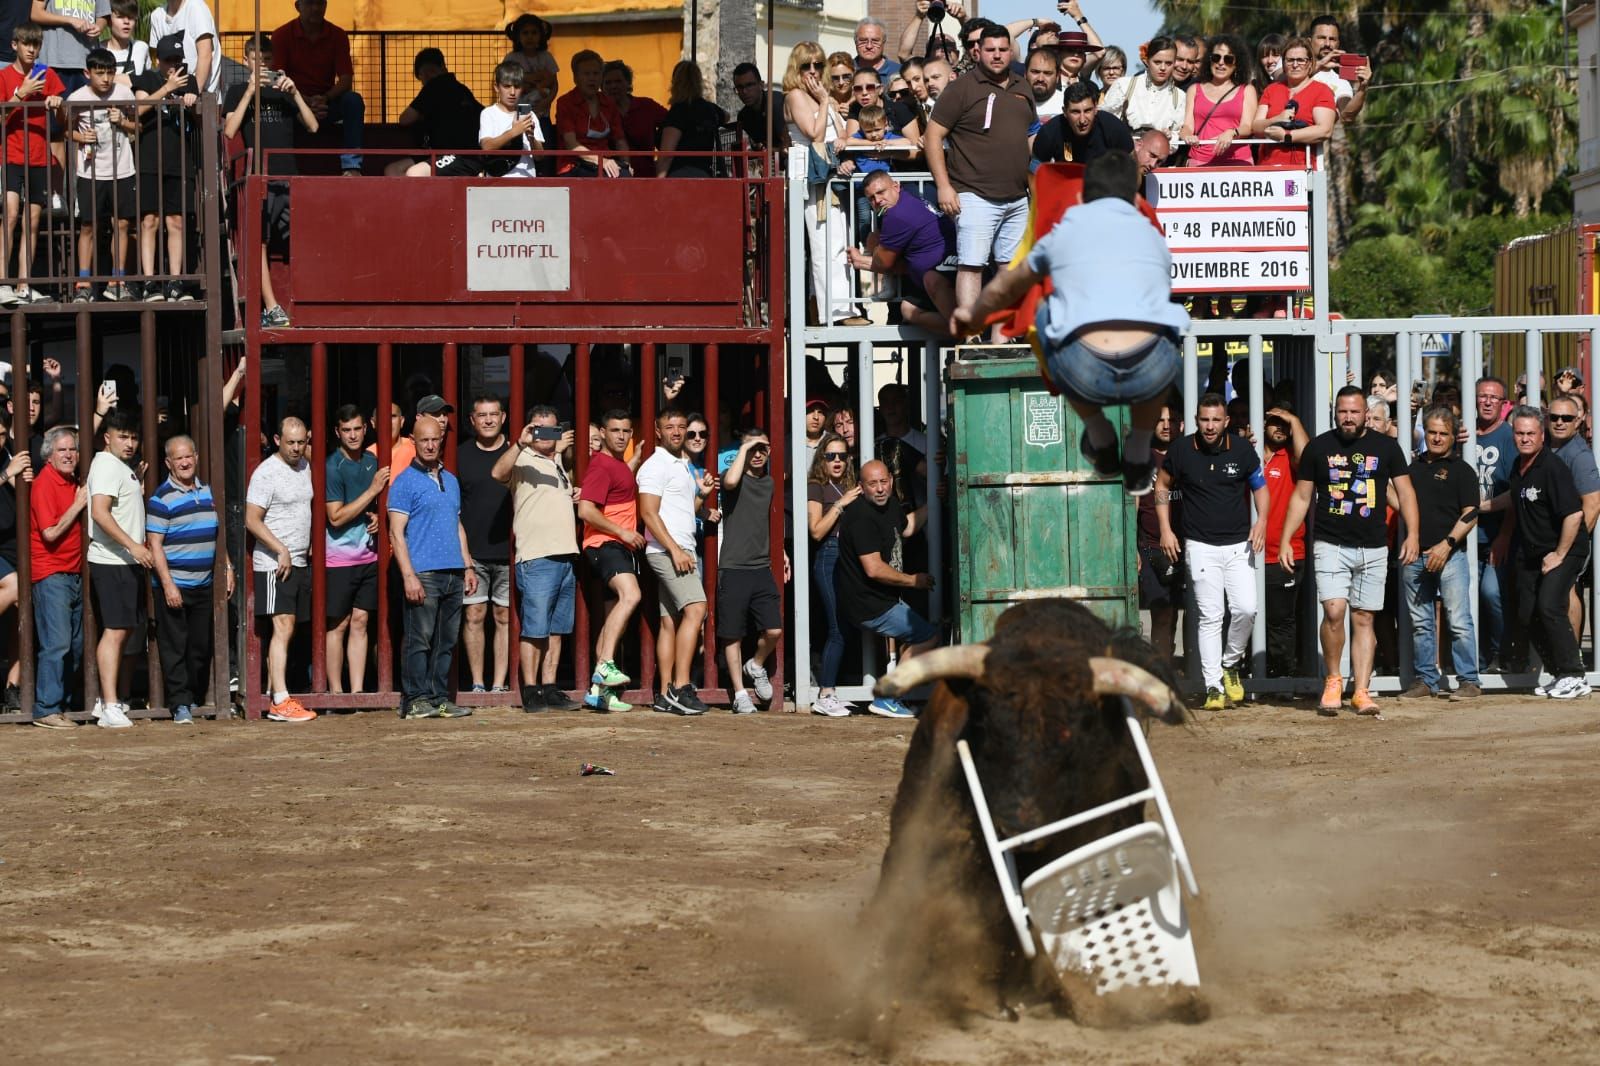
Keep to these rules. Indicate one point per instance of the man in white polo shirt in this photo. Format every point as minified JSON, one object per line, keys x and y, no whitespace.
{"x":668,"y":497}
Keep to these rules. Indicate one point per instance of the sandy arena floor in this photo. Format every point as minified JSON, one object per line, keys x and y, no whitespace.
{"x":362,"y":890}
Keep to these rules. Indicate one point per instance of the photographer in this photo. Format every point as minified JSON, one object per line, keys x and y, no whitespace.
{"x":942,"y":19}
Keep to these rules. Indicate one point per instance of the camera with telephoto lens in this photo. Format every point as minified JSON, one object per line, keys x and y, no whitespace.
{"x":937,"y":11}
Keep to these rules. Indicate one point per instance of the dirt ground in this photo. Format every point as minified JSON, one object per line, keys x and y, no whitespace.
{"x":363,"y":890}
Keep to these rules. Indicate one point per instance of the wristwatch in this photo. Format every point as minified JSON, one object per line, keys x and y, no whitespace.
{"x":1455,"y":545}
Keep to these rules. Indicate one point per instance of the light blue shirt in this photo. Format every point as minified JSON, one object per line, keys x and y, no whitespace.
{"x":1132,"y":285}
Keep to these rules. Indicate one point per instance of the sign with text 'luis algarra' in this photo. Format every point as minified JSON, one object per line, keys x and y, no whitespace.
{"x":1236,"y":229}
{"x":519,"y":239}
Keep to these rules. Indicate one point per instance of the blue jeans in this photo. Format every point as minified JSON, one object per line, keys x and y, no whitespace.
{"x":1453,"y":584}
{"x":833,"y":650}
{"x":432,"y":628}
{"x":58,"y":621}
{"x":1491,"y":603}
{"x":349,"y":112}
{"x":1090,"y":377}
{"x":548,"y":590}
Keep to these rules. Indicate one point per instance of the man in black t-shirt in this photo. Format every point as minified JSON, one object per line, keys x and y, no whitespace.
{"x":1548,"y":513}
{"x":748,"y":603}
{"x":1447,"y":511}
{"x":869,"y":584}
{"x":1082,"y":128}
{"x":758,"y":104}
{"x":444,"y":112}
{"x":169,"y":163}
{"x":486,"y":516}
{"x":1218,"y":474}
{"x":1161,"y":579}
{"x":1348,"y":472}
{"x":280,"y":103}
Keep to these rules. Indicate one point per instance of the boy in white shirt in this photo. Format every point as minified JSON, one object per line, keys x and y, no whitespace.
{"x":192,"y":18}
{"x":502,"y":125}
{"x":133,"y":57}
{"x":106,"y":191}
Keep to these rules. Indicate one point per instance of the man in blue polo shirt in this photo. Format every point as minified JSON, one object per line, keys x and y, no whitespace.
{"x":916,"y":240}
{"x":430,"y":548}
{"x":180,"y":530}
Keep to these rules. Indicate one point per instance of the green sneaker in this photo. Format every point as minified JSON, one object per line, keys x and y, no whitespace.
{"x":1216,"y":700}
{"x":447,"y":709}
{"x":418,"y":708}
{"x":607,"y":675}
{"x":605,"y":701}
{"x":1232,"y":687}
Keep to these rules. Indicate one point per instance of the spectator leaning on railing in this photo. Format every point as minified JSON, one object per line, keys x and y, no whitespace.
{"x":1221,"y":107}
{"x":1150,"y":99}
{"x":641,"y":116}
{"x":27,"y":159}
{"x":101,"y":113}
{"x":1296,"y":111}
{"x":169,"y":165}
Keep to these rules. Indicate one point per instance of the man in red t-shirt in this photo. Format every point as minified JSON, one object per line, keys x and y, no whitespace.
{"x":55,"y":549}
{"x":1284,"y":438}
{"x":27,"y":157}
{"x":609,"y":507}
{"x":315,"y":54}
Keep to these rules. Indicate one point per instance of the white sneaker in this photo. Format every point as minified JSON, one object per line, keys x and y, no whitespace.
{"x":758,"y":677}
{"x":831,"y":706}
{"x":115,"y":716}
{"x":1582,"y":686}
{"x":1563,"y":688}
{"x":8,"y":296}
{"x":99,"y":708}
{"x":742,"y":703}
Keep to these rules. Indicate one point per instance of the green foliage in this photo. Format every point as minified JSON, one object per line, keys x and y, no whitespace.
{"x":1384,"y":277}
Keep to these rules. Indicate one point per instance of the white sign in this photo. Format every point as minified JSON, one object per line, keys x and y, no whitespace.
{"x":1205,"y":187}
{"x":1042,"y":413}
{"x":1273,"y":270}
{"x":1235,"y":229}
{"x":519,"y":239}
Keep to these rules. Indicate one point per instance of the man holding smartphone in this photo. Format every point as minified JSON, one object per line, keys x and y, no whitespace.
{"x":1348,"y":80}
{"x":544,"y":526}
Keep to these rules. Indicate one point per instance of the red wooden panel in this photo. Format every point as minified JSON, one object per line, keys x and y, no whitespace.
{"x":402,"y":241}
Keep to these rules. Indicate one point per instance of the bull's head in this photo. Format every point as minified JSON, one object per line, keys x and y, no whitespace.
{"x":1042,"y":711}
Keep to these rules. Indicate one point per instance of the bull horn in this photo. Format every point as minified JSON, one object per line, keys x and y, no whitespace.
{"x":962,"y":660}
{"x":1118,"y":677}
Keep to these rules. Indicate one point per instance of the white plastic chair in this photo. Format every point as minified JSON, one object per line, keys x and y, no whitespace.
{"x":1111,"y":910}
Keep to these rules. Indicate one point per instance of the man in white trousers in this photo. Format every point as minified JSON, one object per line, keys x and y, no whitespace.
{"x":1217,"y":474}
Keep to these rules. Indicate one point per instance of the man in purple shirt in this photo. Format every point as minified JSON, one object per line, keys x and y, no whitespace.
{"x":916,"y":239}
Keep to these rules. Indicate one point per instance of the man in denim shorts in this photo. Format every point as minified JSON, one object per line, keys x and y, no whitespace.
{"x":1347,"y":471}
{"x":1108,"y":333}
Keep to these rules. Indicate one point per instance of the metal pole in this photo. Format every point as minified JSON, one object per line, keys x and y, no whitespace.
{"x":153,"y":465}
{"x":317,"y":455}
{"x":516,"y":357}
{"x":450,"y":370}
{"x":212,"y":377}
{"x":804,"y":693}
{"x":1406,"y":345}
{"x":383,"y":411}
{"x":712,"y":369}
{"x":1471,"y":371}
{"x":23,"y":433}
{"x":648,"y":384}
{"x":87,"y":438}
{"x":933,"y":415}
{"x":780,"y":446}
{"x":1534,"y":356}
{"x":1258,"y":417}
{"x":581,"y":630}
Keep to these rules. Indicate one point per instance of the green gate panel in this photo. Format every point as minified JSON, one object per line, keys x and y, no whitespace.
{"x":1032,"y":519}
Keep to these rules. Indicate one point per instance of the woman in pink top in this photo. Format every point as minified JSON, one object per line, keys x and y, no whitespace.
{"x":1221,"y":108}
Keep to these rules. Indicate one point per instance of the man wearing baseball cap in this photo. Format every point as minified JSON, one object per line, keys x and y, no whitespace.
{"x":816,"y":425}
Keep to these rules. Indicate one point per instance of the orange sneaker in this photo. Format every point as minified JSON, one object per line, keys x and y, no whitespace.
{"x":1363,"y":703}
{"x":1332,"y":692}
{"x":290,"y":710}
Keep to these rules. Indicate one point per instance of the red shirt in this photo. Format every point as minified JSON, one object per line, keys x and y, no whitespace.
{"x":50,"y":497}
{"x":312,"y":64}
{"x":594,"y":132}
{"x":27,"y":135}
{"x":1310,"y":97}
{"x":610,"y":486}
{"x":1279,"y":472}
{"x":639,"y":125}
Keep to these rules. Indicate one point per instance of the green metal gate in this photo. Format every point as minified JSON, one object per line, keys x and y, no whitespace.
{"x":1033,"y":520}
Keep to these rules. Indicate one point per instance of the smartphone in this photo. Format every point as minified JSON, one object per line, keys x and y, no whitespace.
{"x":38,"y":71}
{"x":548,"y":432}
{"x":675,"y":367}
{"x":524,"y":108}
{"x":1349,"y":65}
{"x":108,"y":389}
{"x":270,"y":78}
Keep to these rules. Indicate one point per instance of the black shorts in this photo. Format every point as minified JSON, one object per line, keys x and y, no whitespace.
{"x":165,"y":194}
{"x":747,"y":604}
{"x":351,"y":587}
{"x":608,"y":560}
{"x":118,"y":595}
{"x":1160,"y":579}
{"x":30,"y":183}
{"x":275,"y":214}
{"x":292,"y":595}
{"x":101,"y":201}
{"x":458,"y":166}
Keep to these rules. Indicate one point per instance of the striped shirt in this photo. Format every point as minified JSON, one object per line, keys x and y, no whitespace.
{"x":186,"y":519}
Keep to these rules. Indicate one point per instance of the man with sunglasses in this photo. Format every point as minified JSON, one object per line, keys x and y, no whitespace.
{"x":1565,"y":416}
{"x":1447,"y":509}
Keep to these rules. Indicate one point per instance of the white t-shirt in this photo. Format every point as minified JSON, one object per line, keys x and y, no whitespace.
{"x":284,"y":493}
{"x":132,"y":60}
{"x":1051,"y":107}
{"x":194,"y":21}
{"x":111,"y":154}
{"x":494,"y":122}
{"x":671,"y":479}
{"x":1342,"y":90}
{"x":110,"y":476}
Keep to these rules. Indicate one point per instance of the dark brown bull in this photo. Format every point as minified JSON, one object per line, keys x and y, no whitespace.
{"x":1040,"y":708}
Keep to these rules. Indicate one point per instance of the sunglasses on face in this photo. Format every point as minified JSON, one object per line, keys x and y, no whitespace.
{"x":810,"y":66}
{"x":867,"y":87}
{"x":836,"y":457}
{"x":1225,"y":60}
{"x":1563,"y":418}
{"x":840,"y":79}
{"x":900,"y":94}
{"x":696,"y":434}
